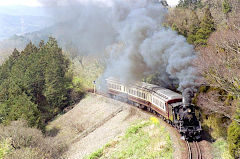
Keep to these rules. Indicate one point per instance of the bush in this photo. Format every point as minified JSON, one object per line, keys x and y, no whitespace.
{"x":234,"y":139}
{"x":221,"y":149}
{"x":226,"y":7}
{"x":29,"y":143}
{"x":5,"y":147}
{"x":215,"y":125}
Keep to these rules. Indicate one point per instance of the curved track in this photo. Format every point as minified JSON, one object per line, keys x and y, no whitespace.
{"x":194,"y":151}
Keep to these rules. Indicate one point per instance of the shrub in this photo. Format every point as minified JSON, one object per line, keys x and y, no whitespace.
{"x":234,"y":139}
{"x":29,"y":143}
{"x":226,"y":7}
{"x":221,"y":149}
{"x":5,"y":147}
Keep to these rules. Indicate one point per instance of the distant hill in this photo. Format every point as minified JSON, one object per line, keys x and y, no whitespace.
{"x":18,"y":25}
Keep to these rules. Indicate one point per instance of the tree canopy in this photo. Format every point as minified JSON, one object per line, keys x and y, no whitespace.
{"x":34,"y":84}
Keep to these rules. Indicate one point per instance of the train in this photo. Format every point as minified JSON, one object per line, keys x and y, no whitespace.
{"x":165,"y":103}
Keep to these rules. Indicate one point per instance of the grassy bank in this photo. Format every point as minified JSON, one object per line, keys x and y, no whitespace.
{"x":220,"y":149}
{"x":143,"y":140}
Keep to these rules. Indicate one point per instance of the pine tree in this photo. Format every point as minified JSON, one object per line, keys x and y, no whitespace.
{"x":29,"y":49}
{"x":33,"y":84}
{"x":206,"y":28}
{"x":191,"y":4}
{"x":191,"y":37}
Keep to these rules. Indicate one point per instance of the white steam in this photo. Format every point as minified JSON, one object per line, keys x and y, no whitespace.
{"x":132,"y":29}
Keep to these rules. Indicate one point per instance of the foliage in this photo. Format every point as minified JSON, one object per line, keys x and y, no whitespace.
{"x":96,"y":154}
{"x":205,"y":30}
{"x":234,"y":138}
{"x":5,"y":147}
{"x":221,"y":149}
{"x":219,"y":62}
{"x":226,"y":7}
{"x":146,"y":139}
{"x":25,"y":142}
{"x":86,"y":70}
{"x":193,"y":4}
{"x":184,"y":21}
{"x":34,"y":84}
{"x":216,"y":125}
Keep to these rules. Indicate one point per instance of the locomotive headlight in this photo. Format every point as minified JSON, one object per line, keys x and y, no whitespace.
{"x":189,"y":110}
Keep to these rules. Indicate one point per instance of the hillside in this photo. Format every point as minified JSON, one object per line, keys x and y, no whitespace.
{"x":97,"y":121}
{"x":19,"y":25}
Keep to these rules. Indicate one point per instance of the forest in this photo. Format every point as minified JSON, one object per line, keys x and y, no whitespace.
{"x":213,"y":27}
{"x":39,"y":82}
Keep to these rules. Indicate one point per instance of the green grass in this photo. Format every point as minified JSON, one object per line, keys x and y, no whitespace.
{"x":5,"y":147}
{"x":221,"y":151}
{"x":96,"y":154}
{"x":143,"y":140}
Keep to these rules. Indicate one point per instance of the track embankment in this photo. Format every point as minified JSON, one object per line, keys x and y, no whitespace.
{"x":98,"y":120}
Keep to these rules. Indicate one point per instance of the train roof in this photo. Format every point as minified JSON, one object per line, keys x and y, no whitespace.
{"x":157,"y":90}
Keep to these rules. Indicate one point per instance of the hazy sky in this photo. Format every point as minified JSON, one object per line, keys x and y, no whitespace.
{"x":36,"y":3}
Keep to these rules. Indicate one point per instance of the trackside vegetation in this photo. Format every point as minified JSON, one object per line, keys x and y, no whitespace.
{"x":144,"y":139}
{"x":213,"y":28}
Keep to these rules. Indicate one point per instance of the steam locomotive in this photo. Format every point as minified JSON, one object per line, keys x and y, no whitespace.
{"x":163,"y":102}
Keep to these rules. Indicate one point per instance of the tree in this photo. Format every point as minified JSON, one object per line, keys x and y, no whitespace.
{"x":29,"y":49}
{"x":234,"y":138}
{"x":219,"y":64}
{"x":33,"y":84}
{"x":191,"y":4}
{"x":184,"y":21}
{"x":205,"y":30}
{"x":194,"y":27}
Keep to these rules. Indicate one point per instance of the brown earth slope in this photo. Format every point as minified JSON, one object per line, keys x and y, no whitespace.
{"x":98,"y":120}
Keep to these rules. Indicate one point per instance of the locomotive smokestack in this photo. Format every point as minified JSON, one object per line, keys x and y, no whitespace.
{"x":187,"y":97}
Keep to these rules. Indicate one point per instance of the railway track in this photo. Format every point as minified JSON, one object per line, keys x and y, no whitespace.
{"x":194,"y":151}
